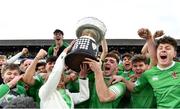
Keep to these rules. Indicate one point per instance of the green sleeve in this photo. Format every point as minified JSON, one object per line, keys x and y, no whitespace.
{"x":4,"y":89}
{"x":50,"y":51}
{"x":140,"y":83}
{"x":65,"y":44}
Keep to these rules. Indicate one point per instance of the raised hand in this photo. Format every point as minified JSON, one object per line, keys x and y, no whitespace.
{"x":93,"y":65}
{"x":114,"y":79}
{"x":67,"y":49}
{"x":158,"y":33}
{"x":144,"y":33}
{"x":84,"y":71}
{"x":41,"y":54}
{"x":24,"y":51}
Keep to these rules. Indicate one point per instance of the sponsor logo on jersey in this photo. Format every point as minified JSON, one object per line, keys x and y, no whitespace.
{"x":155,"y":78}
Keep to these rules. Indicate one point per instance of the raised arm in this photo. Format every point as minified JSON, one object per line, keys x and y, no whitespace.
{"x":105,"y":93}
{"x":31,"y":70}
{"x":15,"y":57}
{"x":54,"y":77}
{"x":83,"y":94}
{"x":104,"y":49}
{"x":149,"y":46}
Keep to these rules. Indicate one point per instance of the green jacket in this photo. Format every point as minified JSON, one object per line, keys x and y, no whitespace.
{"x":51,"y":49}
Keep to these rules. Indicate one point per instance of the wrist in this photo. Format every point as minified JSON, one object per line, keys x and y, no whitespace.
{"x":83,"y":78}
{"x":10,"y":85}
{"x":37,"y":58}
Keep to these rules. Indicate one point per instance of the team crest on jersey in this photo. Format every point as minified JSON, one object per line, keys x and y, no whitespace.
{"x":155,"y":78}
{"x":174,"y":75}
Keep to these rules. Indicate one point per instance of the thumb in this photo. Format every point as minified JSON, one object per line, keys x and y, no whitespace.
{"x":115,"y":81}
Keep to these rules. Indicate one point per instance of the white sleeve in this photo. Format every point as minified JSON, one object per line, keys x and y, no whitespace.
{"x":14,"y":58}
{"x":83,"y":94}
{"x":54,"y":77}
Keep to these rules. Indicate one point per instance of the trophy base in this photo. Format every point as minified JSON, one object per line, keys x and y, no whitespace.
{"x":74,"y":60}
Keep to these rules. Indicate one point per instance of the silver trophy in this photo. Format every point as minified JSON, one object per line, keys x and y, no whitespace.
{"x":90,"y":32}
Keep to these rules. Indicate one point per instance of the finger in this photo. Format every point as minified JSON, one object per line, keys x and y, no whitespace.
{"x":81,"y":67}
{"x":89,"y":59}
{"x":111,"y":80}
{"x":115,"y":81}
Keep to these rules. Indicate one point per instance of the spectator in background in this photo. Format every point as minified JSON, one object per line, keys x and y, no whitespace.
{"x":41,"y":67}
{"x":59,"y":46}
{"x":126,"y":68}
{"x":2,"y":62}
{"x":24,"y":64}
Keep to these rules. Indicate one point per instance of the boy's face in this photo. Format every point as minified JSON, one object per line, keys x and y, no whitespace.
{"x":165,"y":54}
{"x":127,"y":63}
{"x":41,"y":69}
{"x":58,"y":37}
{"x":2,"y":62}
{"x":139,"y":67}
{"x":9,"y":75}
{"x":49,"y":66}
{"x":110,"y":66}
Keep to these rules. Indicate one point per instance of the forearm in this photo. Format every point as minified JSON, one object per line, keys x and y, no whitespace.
{"x":101,"y":87}
{"x":4,"y":89}
{"x":130,"y":85}
{"x":14,"y":58}
{"x":54,"y":77}
{"x":144,"y":50}
{"x":83,"y":94}
{"x":30,"y":72}
{"x":104,"y":49}
{"x":152,"y":51}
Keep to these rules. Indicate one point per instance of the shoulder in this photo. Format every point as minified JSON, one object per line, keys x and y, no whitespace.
{"x":177,"y":63}
{"x":151,"y":70}
{"x":65,"y":44}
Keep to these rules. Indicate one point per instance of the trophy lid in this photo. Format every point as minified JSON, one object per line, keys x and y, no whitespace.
{"x":91,"y":23}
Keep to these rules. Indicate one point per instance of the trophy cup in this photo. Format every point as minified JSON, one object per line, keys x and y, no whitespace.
{"x":90,"y":31}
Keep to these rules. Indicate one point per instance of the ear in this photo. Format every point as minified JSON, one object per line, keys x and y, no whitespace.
{"x":116,"y":70}
{"x":2,"y":75}
{"x":175,"y":54}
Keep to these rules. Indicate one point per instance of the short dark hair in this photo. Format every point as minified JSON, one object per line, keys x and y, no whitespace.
{"x":58,"y":31}
{"x":139,"y":58}
{"x":10,"y":67}
{"x":51,"y":59}
{"x":21,"y":102}
{"x":40,"y":64}
{"x":113,"y":55}
{"x":127,"y":55}
{"x":22,"y":61}
{"x":116,"y":52}
{"x":167,"y":40}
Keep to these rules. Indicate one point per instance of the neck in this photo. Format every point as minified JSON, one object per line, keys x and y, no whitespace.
{"x":165,"y":67}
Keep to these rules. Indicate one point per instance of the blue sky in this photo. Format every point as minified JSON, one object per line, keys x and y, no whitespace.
{"x":37,"y":19}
